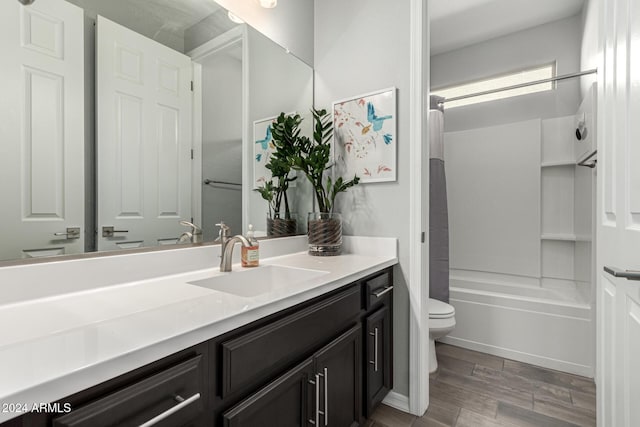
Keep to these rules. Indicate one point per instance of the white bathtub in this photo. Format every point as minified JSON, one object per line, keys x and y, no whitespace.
{"x":553,"y":328}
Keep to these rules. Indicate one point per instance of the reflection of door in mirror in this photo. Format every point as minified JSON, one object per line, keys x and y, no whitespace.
{"x":41,"y":129}
{"x":144,"y":104}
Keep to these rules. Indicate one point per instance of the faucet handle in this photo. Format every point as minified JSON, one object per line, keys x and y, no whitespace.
{"x":194,"y":228}
{"x":225,"y":231}
{"x":195,"y":235}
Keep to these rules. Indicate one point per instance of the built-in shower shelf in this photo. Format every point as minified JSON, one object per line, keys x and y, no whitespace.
{"x":565,"y":237}
{"x":558,"y":163}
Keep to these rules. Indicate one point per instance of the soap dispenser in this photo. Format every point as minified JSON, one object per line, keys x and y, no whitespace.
{"x":250,"y":254}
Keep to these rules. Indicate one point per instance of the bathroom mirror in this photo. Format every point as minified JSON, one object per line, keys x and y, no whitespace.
{"x":171,"y":92}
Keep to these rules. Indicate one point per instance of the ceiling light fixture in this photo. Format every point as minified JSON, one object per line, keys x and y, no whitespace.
{"x":234,"y":18}
{"x":268,"y":4}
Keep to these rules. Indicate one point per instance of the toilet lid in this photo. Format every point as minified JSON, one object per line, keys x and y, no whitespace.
{"x":439,"y":309}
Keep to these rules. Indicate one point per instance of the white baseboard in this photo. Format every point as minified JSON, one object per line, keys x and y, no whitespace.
{"x":545,"y":362}
{"x":397,"y":401}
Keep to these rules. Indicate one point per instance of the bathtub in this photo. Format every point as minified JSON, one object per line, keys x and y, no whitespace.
{"x":521,"y":320}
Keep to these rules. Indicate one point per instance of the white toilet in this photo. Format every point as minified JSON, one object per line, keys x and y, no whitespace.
{"x":442,"y":320}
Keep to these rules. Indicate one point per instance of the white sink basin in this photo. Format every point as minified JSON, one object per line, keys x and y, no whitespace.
{"x":259,"y":280}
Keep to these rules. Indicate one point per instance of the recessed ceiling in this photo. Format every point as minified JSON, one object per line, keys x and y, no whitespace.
{"x":459,"y":23}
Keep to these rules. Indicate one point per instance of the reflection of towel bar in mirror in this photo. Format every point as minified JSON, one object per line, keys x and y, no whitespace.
{"x":223,"y":184}
{"x":591,"y":164}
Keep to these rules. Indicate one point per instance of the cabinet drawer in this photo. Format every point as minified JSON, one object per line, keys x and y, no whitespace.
{"x":173,"y":397}
{"x":255,"y":356}
{"x":377,"y":288}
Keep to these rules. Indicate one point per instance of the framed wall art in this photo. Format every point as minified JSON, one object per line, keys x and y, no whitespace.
{"x":364,"y":130}
{"x":262,"y":149}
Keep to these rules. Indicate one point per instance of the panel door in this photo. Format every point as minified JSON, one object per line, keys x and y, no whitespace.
{"x":378,"y":358}
{"x":618,"y":221}
{"x":286,"y":402}
{"x":144,"y":110}
{"x":41,"y":129}
{"x":339,"y":367}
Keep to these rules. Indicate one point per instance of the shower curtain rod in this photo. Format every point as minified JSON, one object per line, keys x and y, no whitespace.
{"x":518,"y":86}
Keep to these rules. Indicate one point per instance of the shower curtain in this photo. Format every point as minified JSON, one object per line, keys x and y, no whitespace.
{"x":438,"y":213}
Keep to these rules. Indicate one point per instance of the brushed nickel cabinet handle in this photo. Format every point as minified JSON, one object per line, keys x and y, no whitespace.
{"x":316,"y":422}
{"x":381,"y":292}
{"x":166,"y":414}
{"x":374,"y":362}
{"x":326,"y":396}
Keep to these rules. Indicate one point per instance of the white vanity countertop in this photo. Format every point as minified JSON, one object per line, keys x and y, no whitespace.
{"x":55,"y":346}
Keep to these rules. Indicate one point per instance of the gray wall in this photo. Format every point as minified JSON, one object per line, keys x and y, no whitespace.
{"x":290,"y":24}
{"x":590,"y":42}
{"x":558,"y":41}
{"x":362,"y":46}
{"x":278,"y":82}
{"x":222,"y":140}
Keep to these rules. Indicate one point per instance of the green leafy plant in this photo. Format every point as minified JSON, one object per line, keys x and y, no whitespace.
{"x":275,"y":191}
{"x":266,"y":191}
{"x":312,"y":156}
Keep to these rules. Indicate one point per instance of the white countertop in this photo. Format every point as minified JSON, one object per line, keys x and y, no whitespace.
{"x":55,"y":346}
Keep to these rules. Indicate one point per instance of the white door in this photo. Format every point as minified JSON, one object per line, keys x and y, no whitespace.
{"x":144,"y":104}
{"x":618,"y":227}
{"x":41,"y":129}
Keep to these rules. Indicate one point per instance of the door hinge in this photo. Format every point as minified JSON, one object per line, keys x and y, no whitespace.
{"x":192,"y":154}
{"x":191,"y":85}
{"x":422,"y":237}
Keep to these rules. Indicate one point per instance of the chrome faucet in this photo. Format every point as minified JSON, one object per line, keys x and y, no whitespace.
{"x":226,"y":246}
{"x":193,"y":236}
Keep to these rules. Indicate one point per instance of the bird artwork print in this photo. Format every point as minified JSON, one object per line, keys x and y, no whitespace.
{"x":376,"y":121}
{"x":365,"y":136}
{"x":267,"y":139}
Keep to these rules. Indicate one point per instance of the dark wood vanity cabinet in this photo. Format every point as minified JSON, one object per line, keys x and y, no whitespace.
{"x":324,"y":390}
{"x":171,"y":397}
{"x":325,"y":362}
{"x":378,"y":339}
{"x":288,"y":401}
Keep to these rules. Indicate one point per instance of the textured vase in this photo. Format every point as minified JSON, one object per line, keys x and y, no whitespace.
{"x":325,"y":234}
{"x":280,"y":227}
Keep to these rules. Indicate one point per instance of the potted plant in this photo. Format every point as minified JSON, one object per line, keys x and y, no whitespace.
{"x":275,"y":192}
{"x":312,"y":157}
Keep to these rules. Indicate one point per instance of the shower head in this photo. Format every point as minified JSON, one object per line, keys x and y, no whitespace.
{"x":26,"y":2}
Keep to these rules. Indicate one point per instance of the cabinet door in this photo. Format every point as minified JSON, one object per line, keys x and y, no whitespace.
{"x":286,"y":402}
{"x":378,"y":358}
{"x":338,"y":366}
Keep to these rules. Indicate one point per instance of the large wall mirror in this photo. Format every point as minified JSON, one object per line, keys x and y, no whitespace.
{"x":122,"y":118}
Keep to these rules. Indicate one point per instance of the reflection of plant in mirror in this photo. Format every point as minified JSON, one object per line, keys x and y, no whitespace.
{"x":266,"y":191}
{"x":275,"y":191}
{"x":313,"y":156}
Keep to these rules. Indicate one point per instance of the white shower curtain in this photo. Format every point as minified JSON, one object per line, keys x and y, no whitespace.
{"x":438,"y":213}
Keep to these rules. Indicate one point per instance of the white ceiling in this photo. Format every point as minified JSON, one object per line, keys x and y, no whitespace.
{"x":459,"y":23}
{"x":161,"y":20}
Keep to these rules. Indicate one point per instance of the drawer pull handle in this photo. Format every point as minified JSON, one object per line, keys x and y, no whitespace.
{"x":326,"y":396}
{"x":374,"y":362}
{"x":381,"y":292}
{"x":316,"y":422}
{"x":166,"y":414}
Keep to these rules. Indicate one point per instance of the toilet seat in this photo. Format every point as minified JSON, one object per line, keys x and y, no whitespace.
{"x":440,"y":310}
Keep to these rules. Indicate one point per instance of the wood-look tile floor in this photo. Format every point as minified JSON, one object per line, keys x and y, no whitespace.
{"x":472,"y":389}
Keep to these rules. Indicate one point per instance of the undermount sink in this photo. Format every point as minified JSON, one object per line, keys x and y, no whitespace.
{"x":258,"y":280}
